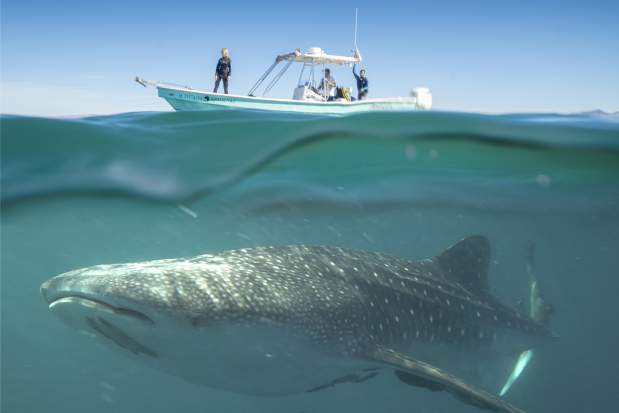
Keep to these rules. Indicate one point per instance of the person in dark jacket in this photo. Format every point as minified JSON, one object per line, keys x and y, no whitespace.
{"x":223,"y":70}
{"x":362,"y":83}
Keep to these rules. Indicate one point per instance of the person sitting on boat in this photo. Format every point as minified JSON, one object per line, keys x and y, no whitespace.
{"x":329,"y":85}
{"x":362,"y":83}
{"x":223,"y":70}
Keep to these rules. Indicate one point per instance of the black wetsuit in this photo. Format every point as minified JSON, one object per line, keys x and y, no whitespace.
{"x":362,"y":84}
{"x":223,"y":70}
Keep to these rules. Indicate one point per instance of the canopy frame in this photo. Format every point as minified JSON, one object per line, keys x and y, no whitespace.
{"x":314,"y":56}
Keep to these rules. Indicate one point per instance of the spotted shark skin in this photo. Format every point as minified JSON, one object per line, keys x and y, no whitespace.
{"x":353,"y":311}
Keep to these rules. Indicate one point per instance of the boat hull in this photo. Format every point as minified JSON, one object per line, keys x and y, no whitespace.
{"x":185,"y":99}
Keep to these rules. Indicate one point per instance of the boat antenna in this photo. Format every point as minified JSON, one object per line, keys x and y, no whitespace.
{"x":356,"y":10}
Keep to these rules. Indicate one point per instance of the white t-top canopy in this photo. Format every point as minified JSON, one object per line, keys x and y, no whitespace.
{"x":316,"y":55}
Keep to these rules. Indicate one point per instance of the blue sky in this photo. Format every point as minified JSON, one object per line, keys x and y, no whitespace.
{"x":68,"y":57}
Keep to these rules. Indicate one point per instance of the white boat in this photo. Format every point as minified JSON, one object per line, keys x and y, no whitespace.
{"x":306,"y":98}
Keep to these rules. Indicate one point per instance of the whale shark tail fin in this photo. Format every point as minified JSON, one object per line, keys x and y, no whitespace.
{"x":539,"y":310}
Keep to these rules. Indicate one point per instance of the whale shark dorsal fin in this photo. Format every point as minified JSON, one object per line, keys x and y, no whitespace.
{"x":418,"y":373}
{"x":466,"y":262}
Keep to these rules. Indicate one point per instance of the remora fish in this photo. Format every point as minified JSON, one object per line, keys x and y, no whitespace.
{"x":281,"y":320}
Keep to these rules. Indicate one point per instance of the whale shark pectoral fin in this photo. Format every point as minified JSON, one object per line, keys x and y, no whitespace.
{"x":358,"y":377}
{"x":416,"y":380}
{"x":418,"y":373}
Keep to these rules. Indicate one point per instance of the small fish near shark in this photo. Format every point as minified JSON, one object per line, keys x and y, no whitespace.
{"x":281,"y":320}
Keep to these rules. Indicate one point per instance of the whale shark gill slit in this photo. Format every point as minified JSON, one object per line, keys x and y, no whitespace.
{"x":119,"y":337}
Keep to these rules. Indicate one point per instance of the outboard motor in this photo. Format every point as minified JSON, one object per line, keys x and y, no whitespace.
{"x":423,"y":96}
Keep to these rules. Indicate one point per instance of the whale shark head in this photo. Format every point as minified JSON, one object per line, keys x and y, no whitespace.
{"x":145,"y":291}
{"x":133,"y":306}
{"x":167,"y":313}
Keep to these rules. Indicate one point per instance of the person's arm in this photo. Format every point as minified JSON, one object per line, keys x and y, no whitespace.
{"x":229,"y":67}
{"x":354,"y":72}
{"x":217,"y":68}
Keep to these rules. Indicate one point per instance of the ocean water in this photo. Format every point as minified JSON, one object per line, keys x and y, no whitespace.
{"x":139,"y":186}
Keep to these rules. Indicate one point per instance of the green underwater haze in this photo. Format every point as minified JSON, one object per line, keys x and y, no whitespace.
{"x":142,"y":186}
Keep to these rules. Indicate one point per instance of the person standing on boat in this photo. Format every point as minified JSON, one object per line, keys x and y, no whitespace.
{"x":223,"y":70}
{"x":362,"y":83}
{"x":329,"y":85}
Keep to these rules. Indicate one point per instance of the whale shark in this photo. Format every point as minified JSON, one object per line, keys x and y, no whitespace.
{"x":280,"y":320}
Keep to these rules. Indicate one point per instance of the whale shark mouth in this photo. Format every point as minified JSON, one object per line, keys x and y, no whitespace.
{"x":91,"y":314}
{"x":98,"y":305}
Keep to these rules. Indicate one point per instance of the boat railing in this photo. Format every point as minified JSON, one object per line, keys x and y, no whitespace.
{"x":156,"y":83}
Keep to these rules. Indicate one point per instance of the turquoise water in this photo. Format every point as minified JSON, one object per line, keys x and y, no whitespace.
{"x":141,"y":186}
